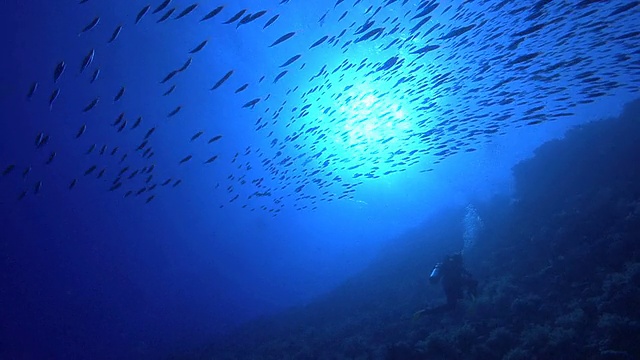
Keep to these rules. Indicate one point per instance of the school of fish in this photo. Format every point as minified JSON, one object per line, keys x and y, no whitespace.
{"x":459,"y":73}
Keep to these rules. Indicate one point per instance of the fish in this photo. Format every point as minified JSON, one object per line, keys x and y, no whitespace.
{"x":185,"y":159}
{"x":32,"y":90}
{"x":37,"y":187}
{"x":148,"y":134}
{"x":166,"y":15}
{"x":211,"y":159}
{"x":43,"y":141}
{"x":118,"y":119}
{"x":91,"y":148}
{"x":90,"y":170}
{"x":291,"y":60}
{"x":119,"y":94}
{"x":319,"y":41}
{"x":90,"y":26}
{"x":375,"y":33}
{"x":418,"y":71}
{"x":245,"y":20}
{"x":178,"y":182}
{"x":457,"y":32}
{"x":241,"y":88}
{"x":91,"y":105}
{"x":235,"y":17}
{"x":81,"y":131}
{"x":197,"y":135}
{"x":150,"y":198}
{"x":73,"y":184}
{"x":26,"y":172}
{"x":51,"y":157}
{"x":137,"y":123}
{"x":174,"y":111}
{"x":87,"y":60}
{"x":213,"y":13}
{"x":95,"y":75}
{"x":425,"y":49}
{"x":186,"y":11}
{"x":271,"y":21}
{"x":282,"y":38}
{"x":22,"y":195}
{"x":279,"y":76}
{"x":214,"y":139}
{"x":53,"y":97}
{"x":115,"y":34}
{"x":8,"y":169}
{"x":251,"y":103}
{"x":169,"y":76}
{"x":142,"y":13}
{"x":257,"y":15}
{"x":173,"y":87}
{"x":58,"y":71}
{"x":322,"y":18}
{"x":162,"y":6}
{"x":198,"y":48}
{"x":185,"y":65}
{"x":122,"y":126}
{"x":222,"y":80}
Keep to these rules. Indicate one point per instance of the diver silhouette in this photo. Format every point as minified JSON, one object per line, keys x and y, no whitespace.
{"x":455,"y":280}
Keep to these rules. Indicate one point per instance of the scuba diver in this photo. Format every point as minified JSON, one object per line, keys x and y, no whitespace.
{"x":455,"y":280}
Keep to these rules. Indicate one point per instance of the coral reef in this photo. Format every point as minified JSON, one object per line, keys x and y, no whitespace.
{"x":559,"y":266}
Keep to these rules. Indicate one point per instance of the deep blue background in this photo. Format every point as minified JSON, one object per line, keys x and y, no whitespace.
{"x":89,"y":274}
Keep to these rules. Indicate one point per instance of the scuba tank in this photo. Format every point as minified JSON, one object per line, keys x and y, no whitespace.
{"x":436,"y":273}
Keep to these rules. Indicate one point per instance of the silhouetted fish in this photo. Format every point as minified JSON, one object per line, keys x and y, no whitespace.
{"x":166,"y":15}
{"x":161,"y":7}
{"x":222,"y":80}
{"x":282,"y":38}
{"x":91,"y":105}
{"x":235,"y":17}
{"x":58,"y":71}
{"x":119,"y":94}
{"x":271,"y":21}
{"x":142,"y":13}
{"x":186,"y":11}
{"x":213,"y":13}
{"x":32,"y":90}
{"x":198,"y":48}
{"x":87,"y":60}
{"x":90,"y":26}
{"x":115,"y":34}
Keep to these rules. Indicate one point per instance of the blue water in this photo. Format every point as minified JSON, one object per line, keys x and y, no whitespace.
{"x":90,"y":272}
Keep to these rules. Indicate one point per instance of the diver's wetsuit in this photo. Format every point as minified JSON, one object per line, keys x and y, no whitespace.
{"x":455,"y":279}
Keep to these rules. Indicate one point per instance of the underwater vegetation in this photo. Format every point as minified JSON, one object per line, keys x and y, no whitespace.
{"x":558,"y":264}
